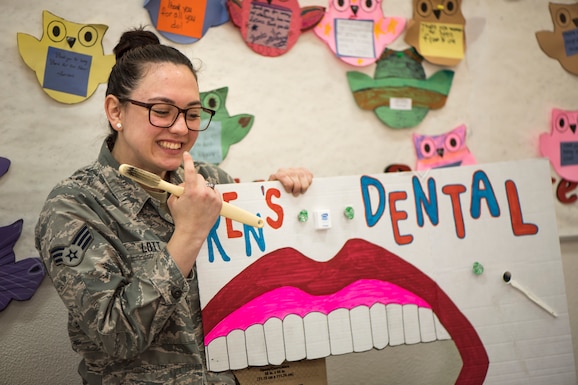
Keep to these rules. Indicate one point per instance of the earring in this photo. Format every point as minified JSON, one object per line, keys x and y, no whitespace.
{"x":119,"y":125}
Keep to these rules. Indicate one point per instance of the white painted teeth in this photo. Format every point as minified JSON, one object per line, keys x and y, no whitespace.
{"x":317,"y":335}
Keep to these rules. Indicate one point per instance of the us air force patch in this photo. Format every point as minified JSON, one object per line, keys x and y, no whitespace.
{"x":73,"y":254}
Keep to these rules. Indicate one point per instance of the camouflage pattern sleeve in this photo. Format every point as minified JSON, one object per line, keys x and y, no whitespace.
{"x":119,"y":294}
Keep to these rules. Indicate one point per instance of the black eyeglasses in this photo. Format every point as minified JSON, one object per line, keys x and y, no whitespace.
{"x":164,"y":115}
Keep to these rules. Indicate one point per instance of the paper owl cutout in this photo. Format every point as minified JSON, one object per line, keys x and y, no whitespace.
{"x":272,"y":27}
{"x":19,"y":280}
{"x":4,"y":165}
{"x":356,"y":31}
{"x":445,"y":150}
{"x":69,"y":60}
{"x":400,"y":95}
{"x":187,"y":21}
{"x":562,"y":43}
{"x":213,"y":144}
{"x":560,"y":146}
{"x":437,"y":31}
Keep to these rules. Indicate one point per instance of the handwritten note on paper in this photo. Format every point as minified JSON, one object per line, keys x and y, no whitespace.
{"x":269,"y":25}
{"x":354,"y":38}
{"x":182,"y":17}
{"x":208,"y":145}
{"x":571,"y":42}
{"x":67,"y":71}
{"x":442,"y":40}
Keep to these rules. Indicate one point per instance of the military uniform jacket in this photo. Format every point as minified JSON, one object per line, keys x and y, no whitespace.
{"x":132,"y":316}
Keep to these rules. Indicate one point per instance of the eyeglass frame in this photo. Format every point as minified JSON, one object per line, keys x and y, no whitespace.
{"x":183,"y":111}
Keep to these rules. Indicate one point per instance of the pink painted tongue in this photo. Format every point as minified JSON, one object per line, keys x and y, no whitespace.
{"x":289,"y":300}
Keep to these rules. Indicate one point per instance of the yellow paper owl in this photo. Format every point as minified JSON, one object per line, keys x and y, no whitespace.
{"x":69,"y":60}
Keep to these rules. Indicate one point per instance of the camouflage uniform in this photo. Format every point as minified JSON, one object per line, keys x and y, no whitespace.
{"x":132,"y":316}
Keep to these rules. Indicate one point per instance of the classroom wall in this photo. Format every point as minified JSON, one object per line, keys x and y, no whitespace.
{"x":503,"y":91}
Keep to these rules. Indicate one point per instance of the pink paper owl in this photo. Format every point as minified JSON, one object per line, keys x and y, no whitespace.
{"x":272,"y":27}
{"x":561,"y":144}
{"x":356,"y":31}
{"x":445,"y":150}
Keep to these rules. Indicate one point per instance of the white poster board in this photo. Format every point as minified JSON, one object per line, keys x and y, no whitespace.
{"x":403,"y":270}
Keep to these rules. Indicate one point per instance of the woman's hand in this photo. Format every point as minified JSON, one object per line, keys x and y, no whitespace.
{"x":194,"y":214}
{"x":295,"y":180}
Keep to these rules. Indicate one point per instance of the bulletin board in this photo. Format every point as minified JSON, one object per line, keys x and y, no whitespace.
{"x":300,"y":106}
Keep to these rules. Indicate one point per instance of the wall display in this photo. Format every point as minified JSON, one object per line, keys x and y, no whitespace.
{"x":68,"y":60}
{"x":357,"y":31}
{"x":272,"y":28}
{"x":213,"y":144}
{"x":445,"y":150}
{"x":562,"y":43}
{"x":560,"y":145}
{"x":400,"y":95}
{"x":186,"y":21}
{"x":437,"y":31}
{"x":376,"y":261}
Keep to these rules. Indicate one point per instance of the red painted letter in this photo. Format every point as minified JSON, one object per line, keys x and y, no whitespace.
{"x":275,"y":207}
{"x":518,"y":225}
{"x":231,"y":233}
{"x":454,"y":191}
{"x":396,"y":216}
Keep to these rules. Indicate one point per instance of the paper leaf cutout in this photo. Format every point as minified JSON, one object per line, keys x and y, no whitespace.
{"x":272,"y":28}
{"x":562,"y":43}
{"x":437,"y":31}
{"x":358,"y":32}
{"x":19,"y":280}
{"x":68,"y":60}
{"x":445,"y":150}
{"x":213,"y":144}
{"x":186,"y":21}
{"x":560,"y":146}
{"x":400,"y":95}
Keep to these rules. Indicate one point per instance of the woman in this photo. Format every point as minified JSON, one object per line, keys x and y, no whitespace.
{"x":122,"y":255}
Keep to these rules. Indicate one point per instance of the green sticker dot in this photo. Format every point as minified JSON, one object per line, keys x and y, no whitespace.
{"x":303,"y":216}
{"x":478,"y":268}
{"x":349,"y":212}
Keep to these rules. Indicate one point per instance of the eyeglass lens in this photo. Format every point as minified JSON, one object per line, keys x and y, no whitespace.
{"x":165,"y":115}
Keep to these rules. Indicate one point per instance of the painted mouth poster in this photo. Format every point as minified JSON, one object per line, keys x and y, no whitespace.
{"x":469,"y":254}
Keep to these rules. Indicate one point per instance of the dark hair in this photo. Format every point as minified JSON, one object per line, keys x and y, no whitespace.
{"x":135,"y":50}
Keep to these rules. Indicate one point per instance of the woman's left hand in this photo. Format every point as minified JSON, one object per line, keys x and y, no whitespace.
{"x":295,"y":180}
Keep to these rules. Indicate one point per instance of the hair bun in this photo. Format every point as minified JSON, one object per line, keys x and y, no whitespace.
{"x":134,"y":39}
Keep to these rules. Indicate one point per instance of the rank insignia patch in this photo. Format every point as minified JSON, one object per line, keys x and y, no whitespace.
{"x":72,"y":255}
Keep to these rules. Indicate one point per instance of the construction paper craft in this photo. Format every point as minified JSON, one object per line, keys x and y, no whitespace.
{"x":445,"y":150}
{"x":19,"y":280}
{"x":562,"y":43}
{"x":186,"y":21}
{"x":561,"y":144}
{"x":400,"y":95}
{"x":68,"y":60}
{"x":272,"y":27}
{"x":4,"y":165}
{"x":437,"y":31}
{"x":213,"y":144}
{"x":357,"y":31}
{"x":399,"y":271}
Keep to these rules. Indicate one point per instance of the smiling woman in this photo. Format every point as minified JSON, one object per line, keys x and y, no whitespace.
{"x":122,"y":255}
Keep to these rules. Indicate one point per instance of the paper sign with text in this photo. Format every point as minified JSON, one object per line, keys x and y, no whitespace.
{"x":375,"y":261}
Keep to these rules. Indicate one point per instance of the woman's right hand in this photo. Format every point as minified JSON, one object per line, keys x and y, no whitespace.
{"x":194,"y":214}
